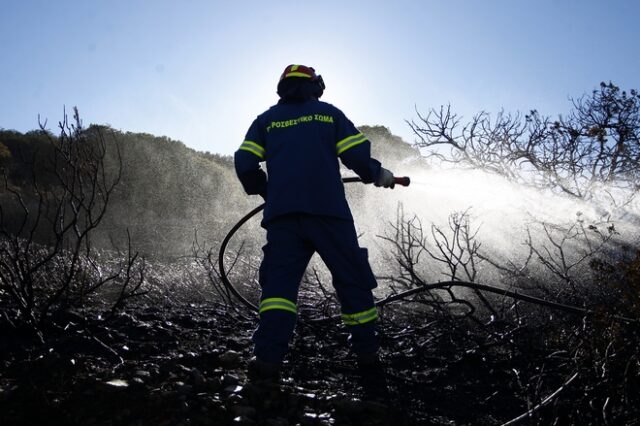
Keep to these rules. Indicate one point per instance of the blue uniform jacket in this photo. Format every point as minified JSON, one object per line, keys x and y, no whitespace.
{"x":301,"y":144}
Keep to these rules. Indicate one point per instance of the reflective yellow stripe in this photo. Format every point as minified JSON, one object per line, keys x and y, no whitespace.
{"x":255,"y":145}
{"x":253,"y":151}
{"x":253,"y":148}
{"x":297,"y":74}
{"x":351,"y":145}
{"x":360,"y":317}
{"x":350,"y":142}
{"x":295,"y":67}
{"x":278,"y":303}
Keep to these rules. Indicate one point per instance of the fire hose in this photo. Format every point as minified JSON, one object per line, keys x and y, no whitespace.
{"x":403,"y":181}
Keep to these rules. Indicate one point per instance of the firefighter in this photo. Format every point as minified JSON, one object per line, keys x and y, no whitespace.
{"x":301,"y":139}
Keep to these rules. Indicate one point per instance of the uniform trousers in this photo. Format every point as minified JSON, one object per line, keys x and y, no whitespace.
{"x":292,"y":240}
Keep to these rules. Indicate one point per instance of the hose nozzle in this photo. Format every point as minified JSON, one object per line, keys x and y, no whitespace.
{"x":404,"y":181}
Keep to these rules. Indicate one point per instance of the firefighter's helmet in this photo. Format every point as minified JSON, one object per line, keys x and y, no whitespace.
{"x":303,"y":73}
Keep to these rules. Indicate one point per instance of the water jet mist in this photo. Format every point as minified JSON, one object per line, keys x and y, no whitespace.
{"x":512,"y":224}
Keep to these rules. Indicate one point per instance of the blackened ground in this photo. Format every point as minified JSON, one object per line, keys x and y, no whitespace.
{"x":186,"y":366}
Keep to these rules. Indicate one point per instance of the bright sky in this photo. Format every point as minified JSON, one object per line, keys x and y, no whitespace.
{"x":199,"y":71}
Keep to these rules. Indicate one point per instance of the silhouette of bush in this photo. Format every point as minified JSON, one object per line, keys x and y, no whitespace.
{"x":62,"y":203}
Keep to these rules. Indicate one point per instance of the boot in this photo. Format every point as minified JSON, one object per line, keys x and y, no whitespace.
{"x":261,"y":371}
{"x":372,"y":376}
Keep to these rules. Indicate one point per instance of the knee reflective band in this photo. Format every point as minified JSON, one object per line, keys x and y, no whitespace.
{"x":360,"y":317}
{"x":278,"y":303}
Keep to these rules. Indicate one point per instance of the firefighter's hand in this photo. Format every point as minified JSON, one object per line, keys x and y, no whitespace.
{"x":385,"y":179}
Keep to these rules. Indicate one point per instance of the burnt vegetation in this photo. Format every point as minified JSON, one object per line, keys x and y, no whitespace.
{"x":593,"y":152}
{"x":114,"y":310}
